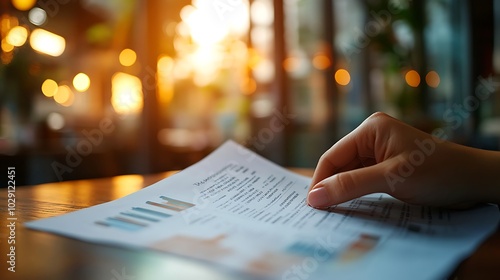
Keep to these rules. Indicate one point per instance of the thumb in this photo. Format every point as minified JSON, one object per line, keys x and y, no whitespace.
{"x":349,"y":185}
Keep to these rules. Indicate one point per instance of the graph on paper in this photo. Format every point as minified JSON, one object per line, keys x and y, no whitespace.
{"x":137,"y":218}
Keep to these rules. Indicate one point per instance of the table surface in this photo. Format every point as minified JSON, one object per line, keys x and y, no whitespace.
{"x":40,"y":255}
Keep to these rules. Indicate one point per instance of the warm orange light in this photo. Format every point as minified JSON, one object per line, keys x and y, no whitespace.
{"x":342,"y":77}
{"x":206,"y":62}
{"x":249,"y":86}
{"x":412,"y":78}
{"x":186,"y":12}
{"x":127,"y":57}
{"x":81,"y":82}
{"x":49,"y":88}
{"x":4,"y":23}
{"x":291,"y":64}
{"x":204,"y":30}
{"x":264,"y":72}
{"x":47,"y":42}
{"x":321,"y":62}
{"x":7,"y":22}
{"x":125,"y":185}
{"x":64,"y":96}
{"x":127,"y":96}
{"x":254,"y":58}
{"x":432,"y":79}
{"x":17,"y":36}
{"x":182,"y":69}
{"x":165,"y":67}
{"x":23,"y":5}
{"x":6,"y":47}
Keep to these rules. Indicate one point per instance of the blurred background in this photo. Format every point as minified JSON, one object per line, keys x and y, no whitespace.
{"x":94,"y":88}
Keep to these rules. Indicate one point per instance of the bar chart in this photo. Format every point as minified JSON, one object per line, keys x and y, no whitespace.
{"x":140,"y":217}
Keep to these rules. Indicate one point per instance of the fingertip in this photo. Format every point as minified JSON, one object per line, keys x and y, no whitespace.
{"x":319,"y":197}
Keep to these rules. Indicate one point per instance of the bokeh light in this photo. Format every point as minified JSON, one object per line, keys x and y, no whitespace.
{"x":64,"y":96}
{"x":17,"y":36}
{"x":6,"y":47}
{"x":81,"y":82}
{"x":264,"y":72}
{"x":432,"y":79}
{"x":23,"y":5}
{"x":127,"y":57}
{"x":186,"y":12}
{"x":321,"y":61}
{"x":248,"y":86}
{"x":412,"y":78}
{"x":342,"y":77}
{"x":55,"y":121}
{"x":262,"y":107}
{"x":291,"y":63}
{"x":203,"y":27}
{"x":125,"y":184}
{"x":262,"y":13}
{"x":49,"y":88}
{"x":165,"y":64}
{"x":165,"y":67}
{"x":47,"y":42}
{"x":37,"y":16}
{"x":7,"y":22}
{"x":262,"y":36}
{"x":127,"y":96}
{"x":254,"y":58}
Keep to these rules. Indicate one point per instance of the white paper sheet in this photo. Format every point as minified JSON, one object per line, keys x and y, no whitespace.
{"x":241,"y":211}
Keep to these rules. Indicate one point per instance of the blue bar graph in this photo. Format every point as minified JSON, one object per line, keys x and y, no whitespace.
{"x":140,"y":217}
{"x":152,"y":212}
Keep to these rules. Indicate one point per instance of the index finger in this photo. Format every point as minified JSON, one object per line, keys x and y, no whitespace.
{"x":351,"y":151}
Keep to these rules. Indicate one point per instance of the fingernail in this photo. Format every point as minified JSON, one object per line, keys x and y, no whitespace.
{"x":319,"y":198}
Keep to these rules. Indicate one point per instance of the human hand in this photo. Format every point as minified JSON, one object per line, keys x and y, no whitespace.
{"x":386,"y":155}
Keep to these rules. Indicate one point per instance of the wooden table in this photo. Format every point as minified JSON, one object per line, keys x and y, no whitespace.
{"x":41,"y":255}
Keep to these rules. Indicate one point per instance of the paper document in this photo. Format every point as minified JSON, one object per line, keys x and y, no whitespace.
{"x":243,"y":212}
